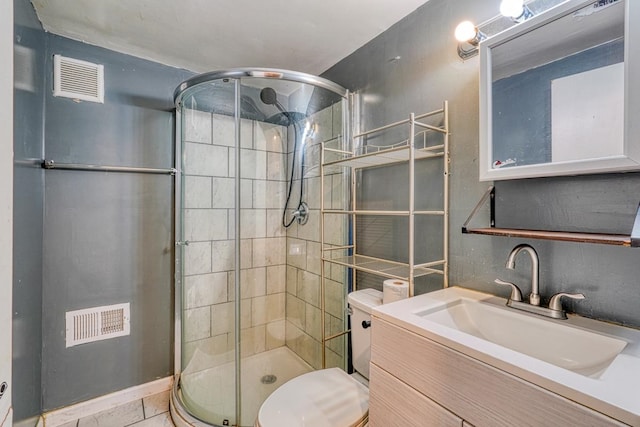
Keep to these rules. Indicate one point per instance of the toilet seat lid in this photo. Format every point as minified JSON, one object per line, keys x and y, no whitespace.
{"x":325,"y":398}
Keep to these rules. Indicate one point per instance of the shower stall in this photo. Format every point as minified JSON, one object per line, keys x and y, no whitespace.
{"x":253,"y":307}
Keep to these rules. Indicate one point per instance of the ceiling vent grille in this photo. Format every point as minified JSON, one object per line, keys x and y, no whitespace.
{"x":97,"y":323}
{"x":79,"y":80}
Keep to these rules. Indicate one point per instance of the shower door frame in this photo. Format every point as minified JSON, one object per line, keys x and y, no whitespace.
{"x":237,"y":75}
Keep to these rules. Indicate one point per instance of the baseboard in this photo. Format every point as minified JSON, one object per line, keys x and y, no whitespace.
{"x":90,"y":407}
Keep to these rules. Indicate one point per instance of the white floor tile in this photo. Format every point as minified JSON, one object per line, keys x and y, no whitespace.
{"x":162,"y":420}
{"x":120,"y":416}
{"x":156,"y":404}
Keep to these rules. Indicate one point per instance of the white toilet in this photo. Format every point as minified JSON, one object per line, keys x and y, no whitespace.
{"x":329,"y":397}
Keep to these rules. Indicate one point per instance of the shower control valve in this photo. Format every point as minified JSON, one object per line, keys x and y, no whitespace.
{"x":302,"y":213}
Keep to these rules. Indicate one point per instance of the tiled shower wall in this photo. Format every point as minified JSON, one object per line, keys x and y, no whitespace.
{"x":271,"y":257}
{"x":210,"y":229}
{"x":304,"y":333}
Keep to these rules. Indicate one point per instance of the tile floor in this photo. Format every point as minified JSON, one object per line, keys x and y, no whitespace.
{"x":152,"y":411}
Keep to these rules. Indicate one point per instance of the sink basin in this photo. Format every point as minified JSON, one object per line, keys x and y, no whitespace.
{"x":565,"y":346}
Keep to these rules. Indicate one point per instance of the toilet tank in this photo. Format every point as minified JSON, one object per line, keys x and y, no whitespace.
{"x":361,"y":303}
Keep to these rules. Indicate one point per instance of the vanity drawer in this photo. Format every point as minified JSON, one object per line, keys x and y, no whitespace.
{"x":388,"y":399}
{"x":476,"y":392}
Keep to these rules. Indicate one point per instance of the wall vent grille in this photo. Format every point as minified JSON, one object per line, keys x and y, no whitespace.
{"x":76,"y":79}
{"x":97,"y":323}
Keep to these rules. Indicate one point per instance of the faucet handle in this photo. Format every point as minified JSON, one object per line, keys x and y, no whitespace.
{"x":556,"y":304}
{"x":516,"y":294}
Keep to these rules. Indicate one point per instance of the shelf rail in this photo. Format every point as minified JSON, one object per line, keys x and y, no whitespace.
{"x":50,"y":164}
{"x":406,"y":121}
{"x":386,"y":268}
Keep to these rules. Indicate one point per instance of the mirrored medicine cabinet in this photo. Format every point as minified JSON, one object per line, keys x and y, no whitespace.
{"x":560,"y":93}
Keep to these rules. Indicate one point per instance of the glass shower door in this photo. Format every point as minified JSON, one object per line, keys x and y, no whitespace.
{"x":264,"y":359}
{"x":281,"y":281}
{"x":209,"y":191}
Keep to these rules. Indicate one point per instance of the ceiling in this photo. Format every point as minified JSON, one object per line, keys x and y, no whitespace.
{"x":205,"y":35}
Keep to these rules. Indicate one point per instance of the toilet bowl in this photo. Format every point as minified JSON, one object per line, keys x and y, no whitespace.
{"x":329,"y":397}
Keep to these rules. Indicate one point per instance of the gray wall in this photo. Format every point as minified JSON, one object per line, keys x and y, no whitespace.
{"x":108,"y":237}
{"x":104,"y":238}
{"x":430,"y":71}
{"x":28,"y":180}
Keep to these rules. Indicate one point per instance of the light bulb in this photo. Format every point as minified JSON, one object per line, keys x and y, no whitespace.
{"x":512,"y":8}
{"x":465,"y":31}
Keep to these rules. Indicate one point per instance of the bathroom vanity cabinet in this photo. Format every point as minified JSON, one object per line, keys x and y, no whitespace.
{"x":418,"y":382}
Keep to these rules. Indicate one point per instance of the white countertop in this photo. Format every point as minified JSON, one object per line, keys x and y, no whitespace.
{"x":615,"y":392}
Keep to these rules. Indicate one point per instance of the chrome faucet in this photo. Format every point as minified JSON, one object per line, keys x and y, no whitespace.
{"x":534,"y":297}
{"x":555,"y":304}
{"x":515,"y":299}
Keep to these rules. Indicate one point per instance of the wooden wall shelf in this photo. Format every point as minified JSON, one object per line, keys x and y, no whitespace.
{"x":632,"y":240}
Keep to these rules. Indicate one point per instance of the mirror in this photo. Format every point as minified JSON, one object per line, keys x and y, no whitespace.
{"x":555,"y":94}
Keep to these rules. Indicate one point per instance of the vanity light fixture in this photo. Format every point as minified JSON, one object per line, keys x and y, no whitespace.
{"x":468,"y":36}
{"x":516,"y":10}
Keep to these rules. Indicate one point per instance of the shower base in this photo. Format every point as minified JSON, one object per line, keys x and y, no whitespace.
{"x":209,"y":394}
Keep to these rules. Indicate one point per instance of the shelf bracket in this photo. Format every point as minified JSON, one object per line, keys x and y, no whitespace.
{"x":491,"y":195}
